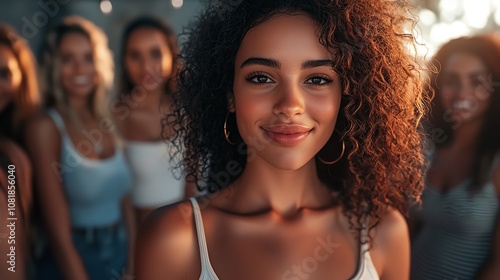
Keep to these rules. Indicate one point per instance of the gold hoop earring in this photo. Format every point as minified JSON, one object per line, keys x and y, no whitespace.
{"x":337,"y":159}
{"x":226,"y":133}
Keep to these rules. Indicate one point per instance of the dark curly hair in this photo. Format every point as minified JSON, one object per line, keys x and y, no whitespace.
{"x":441,"y":128}
{"x":380,"y":112}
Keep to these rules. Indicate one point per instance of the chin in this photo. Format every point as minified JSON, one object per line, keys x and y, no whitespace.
{"x":81,"y":92}
{"x":288,"y":164}
{"x":473,"y":118}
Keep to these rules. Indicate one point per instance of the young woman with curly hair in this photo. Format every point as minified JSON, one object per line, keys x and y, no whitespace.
{"x":19,"y":100}
{"x":460,"y":204}
{"x":82,"y":180}
{"x":300,"y":119}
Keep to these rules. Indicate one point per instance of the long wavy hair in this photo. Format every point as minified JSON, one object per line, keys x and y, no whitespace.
{"x":487,"y":50}
{"x":24,"y":105}
{"x":126,"y":85}
{"x":27,"y":101}
{"x":102,"y":57}
{"x":381,"y":107}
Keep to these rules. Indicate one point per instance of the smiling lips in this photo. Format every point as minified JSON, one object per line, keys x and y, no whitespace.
{"x":287,"y":135}
{"x":463,"y":105}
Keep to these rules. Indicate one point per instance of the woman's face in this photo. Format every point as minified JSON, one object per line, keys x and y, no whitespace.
{"x":78,"y":73}
{"x":286,"y":94}
{"x":148,"y":59}
{"x":465,"y":87}
{"x":10,"y":76}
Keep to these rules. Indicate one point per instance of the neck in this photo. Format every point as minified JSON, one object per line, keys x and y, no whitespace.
{"x":466,"y":137}
{"x":79,"y":105}
{"x":262,"y":186}
{"x":150,"y":98}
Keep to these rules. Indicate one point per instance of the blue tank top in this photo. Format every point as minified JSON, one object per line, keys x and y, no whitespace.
{"x":94,"y":188}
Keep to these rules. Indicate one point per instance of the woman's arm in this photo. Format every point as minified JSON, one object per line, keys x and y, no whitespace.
{"x":393,"y":240}
{"x":11,"y":261}
{"x":15,"y":187}
{"x":131,"y":227}
{"x":491,"y":269}
{"x":43,"y":143}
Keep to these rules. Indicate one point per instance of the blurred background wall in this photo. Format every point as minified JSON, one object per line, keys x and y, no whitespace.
{"x":34,"y":18}
{"x":440,"y":20}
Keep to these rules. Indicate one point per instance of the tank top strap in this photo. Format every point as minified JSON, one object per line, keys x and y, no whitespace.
{"x":58,"y":121}
{"x":366,"y":269}
{"x":202,"y":243}
{"x":364,"y":245}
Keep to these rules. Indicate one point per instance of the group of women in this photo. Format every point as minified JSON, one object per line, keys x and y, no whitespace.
{"x":312,"y":131}
{"x":95,"y":161}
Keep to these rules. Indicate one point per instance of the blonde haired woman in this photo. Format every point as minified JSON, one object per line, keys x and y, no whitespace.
{"x":81,"y":174}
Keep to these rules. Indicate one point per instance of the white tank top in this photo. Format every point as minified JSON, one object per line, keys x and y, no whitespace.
{"x":154,"y":184}
{"x":366,"y":270}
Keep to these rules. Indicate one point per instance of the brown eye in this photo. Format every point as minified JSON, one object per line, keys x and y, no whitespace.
{"x":5,"y":74}
{"x":259,"y":79}
{"x":89,"y":58}
{"x":319,"y":80}
{"x":66,"y":58}
{"x":133,"y":55}
{"x":156,"y":53}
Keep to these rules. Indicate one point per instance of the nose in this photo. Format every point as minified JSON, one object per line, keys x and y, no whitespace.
{"x":78,"y":66}
{"x":81,"y":66}
{"x":290,"y":101}
{"x":466,"y":90}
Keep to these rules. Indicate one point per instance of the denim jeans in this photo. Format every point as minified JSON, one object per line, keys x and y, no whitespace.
{"x":102,"y":250}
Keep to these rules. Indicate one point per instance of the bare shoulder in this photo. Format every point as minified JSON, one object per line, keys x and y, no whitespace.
{"x":16,"y":155}
{"x":166,"y":244}
{"x":391,"y":226}
{"x":41,"y":125}
{"x":392,"y":243}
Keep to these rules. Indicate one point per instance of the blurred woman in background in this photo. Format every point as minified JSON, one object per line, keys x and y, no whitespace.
{"x":82,"y":179}
{"x":149,"y":51}
{"x":459,"y":214}
{"x":19,"y":100}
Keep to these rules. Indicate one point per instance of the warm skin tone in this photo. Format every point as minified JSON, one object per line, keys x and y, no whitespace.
{"x":10,"y":76}
{"x":10,"y":85}
{"x":465,"y":93}
{"x":278,"y":201}
{"x":78,"y":78}
{"x":148,"y":62}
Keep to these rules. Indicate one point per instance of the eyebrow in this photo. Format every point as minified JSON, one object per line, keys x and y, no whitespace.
{"x":474,"y":74}
{"x":276,"y":64}
{"x":261,"y":61}
{"x":316,"y":63}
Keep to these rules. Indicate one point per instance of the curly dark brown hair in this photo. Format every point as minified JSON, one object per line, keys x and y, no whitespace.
{"x":381,"y":107}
